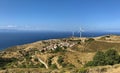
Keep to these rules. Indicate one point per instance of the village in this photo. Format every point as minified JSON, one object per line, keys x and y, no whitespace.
{"x":54,"y":44}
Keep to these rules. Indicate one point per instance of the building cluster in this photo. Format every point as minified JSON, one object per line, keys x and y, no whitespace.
{"x":53,"y":45}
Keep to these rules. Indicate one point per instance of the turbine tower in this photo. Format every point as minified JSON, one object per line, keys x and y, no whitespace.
{"x":81,"y":30}
{"x":73,"y":33}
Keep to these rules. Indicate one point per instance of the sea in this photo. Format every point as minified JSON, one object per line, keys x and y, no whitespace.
{"x":9,"y":39}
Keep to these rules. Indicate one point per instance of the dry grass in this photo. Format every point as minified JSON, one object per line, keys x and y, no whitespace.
{"x":77,"y":55}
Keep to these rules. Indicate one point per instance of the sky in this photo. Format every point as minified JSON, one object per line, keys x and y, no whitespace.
{"x":60,"y":15}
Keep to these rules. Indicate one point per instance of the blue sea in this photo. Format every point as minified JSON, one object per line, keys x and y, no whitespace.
{"x":9,"y":39}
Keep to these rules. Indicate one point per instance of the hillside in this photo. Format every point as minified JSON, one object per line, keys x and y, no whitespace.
{"x":58,"y":55}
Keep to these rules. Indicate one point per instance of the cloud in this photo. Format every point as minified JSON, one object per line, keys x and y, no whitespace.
{"x":17,"y":27}
{"x":22,"y":27}
{"x":8,"y":27}
{"x":11,"y":26}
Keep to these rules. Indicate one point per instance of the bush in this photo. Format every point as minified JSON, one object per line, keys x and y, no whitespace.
{"x":58,"y":49}
{"x":42,"y":66}
{"x":79,"y":42}
{"x":89,"y":40}
{"x":26,"y":65}
{"x":27,"y":56}
{"x":6,"y":61}
{"x":110,"y":57}
{"x":65,"y":47}
{"x":53,"y":66}
{"x":60,"y":60}
{"x":36,"y":59}
{"x":90,"y":63}
{"x":108,"y":36}
{"x":71,"y":65}
{"x":99,"y":58}
{"x":64,"y":64}
{"x":49,"y":61}
{"x":82,"y":70}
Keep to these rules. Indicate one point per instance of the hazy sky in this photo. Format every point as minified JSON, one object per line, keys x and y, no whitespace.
{"x":60,"y":15}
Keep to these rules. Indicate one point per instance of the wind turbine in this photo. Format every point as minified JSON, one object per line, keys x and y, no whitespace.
{"x":81,"y":30}
{"x":73,"y":33}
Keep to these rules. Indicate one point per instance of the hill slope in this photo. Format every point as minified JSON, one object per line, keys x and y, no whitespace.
{"x":55,"y":55}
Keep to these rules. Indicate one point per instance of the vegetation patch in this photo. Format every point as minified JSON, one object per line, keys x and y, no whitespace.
{"x":31,"y":65}
{"x":89,"y":40}
{"x":82,"y":70}
{"x":60,"y":60}
{"x":110,"y":57}
{"x":54,"y":66}
{"x":6,"y":61}
{"x":50,"y":61}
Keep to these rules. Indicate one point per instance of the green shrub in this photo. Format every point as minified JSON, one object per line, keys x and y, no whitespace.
{"x":60,"y":60}
{"x":99,"y":59}
{"x":49,"y":61}
{"x":64,"y":64}
{"x":58,"y":49}
{"x":110,"y":57}
{"x":82,"y":70}
{"x":71,"y":65}
{"x":90,"y":63}
{"x":79,"y":42}
{"x":27,"y":56}
{"x":4,"y":62}
{"x":53,"y":66}
{"x":36,"y":59}
{"x":65,"y":47}
{"x":108,"y":36}
{"x":26,"y":65}
{"x":42,"y":66}
{"x":89,"y":40}
{"x":22,"y":66}
{"x":102,"y":38}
